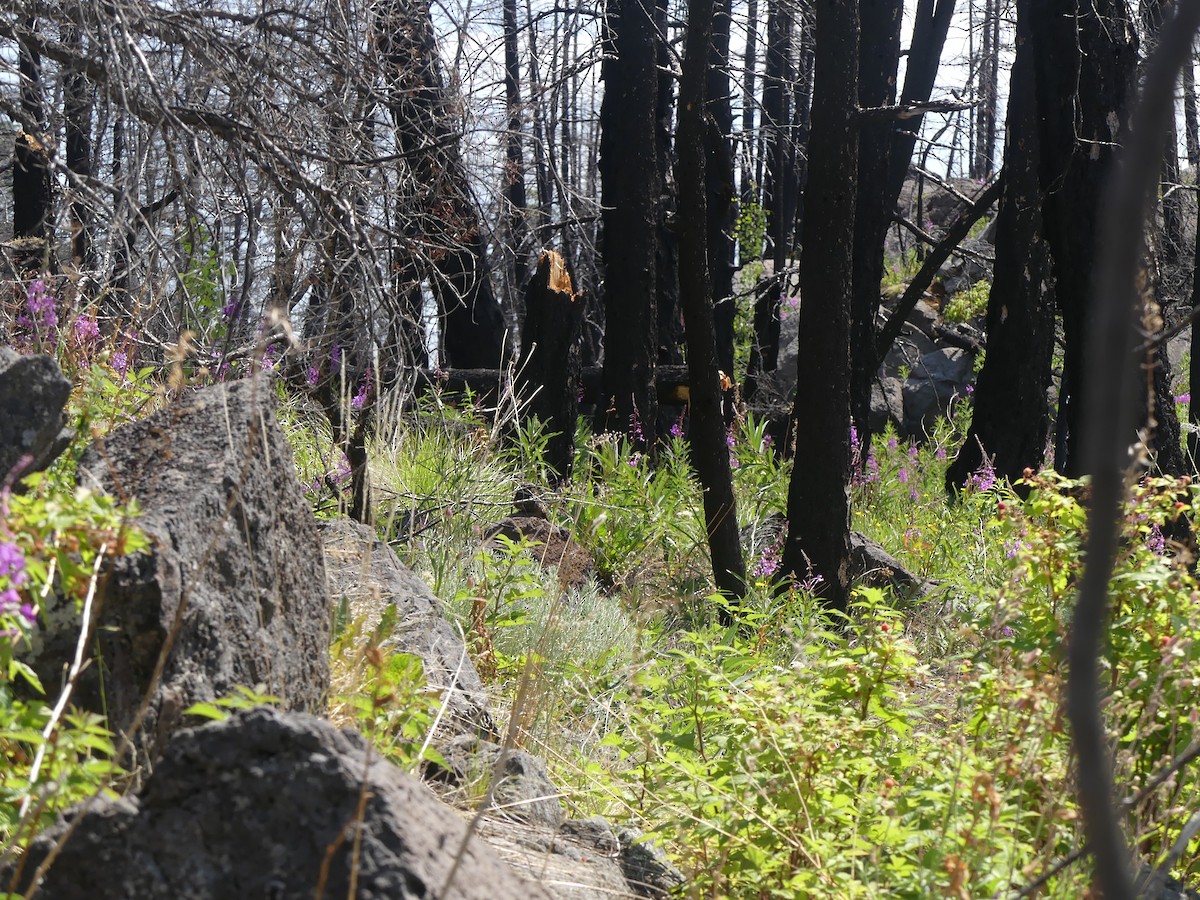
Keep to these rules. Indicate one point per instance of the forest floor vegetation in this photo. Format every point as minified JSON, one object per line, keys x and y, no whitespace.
{"x":915,"y":747}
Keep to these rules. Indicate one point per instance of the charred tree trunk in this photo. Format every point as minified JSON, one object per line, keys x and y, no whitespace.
{"x":930,"y":27}
{"x":514,"y":170}
{"x":764,"y":352}
{"x":670,"y":330}
{"x":77,"y":112}
{"x":1011,"y":419}
{"x":719,"y":189}
{"x":1191,"y":123}
{"x":988,"y":80}
{"x":802,"y":117}
{"x":31,"y":163}
{"x":548,"y":372}
{"x":1171,"y":246}
{"x":879,"y":55}
{"x":818,"y":541}
{"x":710,"y":453}
{"x":630,"y":192}
{"x":749,"y":187}
{"x":472,"y":323}
{"x":1085,"y":59}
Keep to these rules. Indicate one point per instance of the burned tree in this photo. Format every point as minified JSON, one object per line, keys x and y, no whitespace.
{"x":710,"y":453}
{"x":472,"y":324}
{"x":818,"y":541}
{"x":630,"y":188}
{"x":1010,"y":423}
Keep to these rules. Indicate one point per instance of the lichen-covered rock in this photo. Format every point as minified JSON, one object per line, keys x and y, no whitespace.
{"x":234,"y":582}
{"x":273,"y":805}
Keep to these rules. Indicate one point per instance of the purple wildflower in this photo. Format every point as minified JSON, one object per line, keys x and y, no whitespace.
{"x":941,"y":452}
{"x":12,"y":564}
{"x":120,"y":362}
{"x":635,"y":427}
{"x":767,"y":442}
{"x":359,"y":400}
{"x":335,"y":356}
{"x":913,"y":453}
{"x":676,"y":430}
{"x":892,"y":443}
{"x":1012,"y":548}
{"x":872,"y":468}
{"x":970,"y":389}
{"x":1005,"y":631}
{"x":1156,"y":542}
{"x":730,"y":439}
{"x":1183,"y":398}
{"x":902,"y":475}
{"x":312,"y":375}
{"x":43,"y":315}
{"x":768,"y":564}
{"x":914,"y":495}
{"x":85,"y":331}
{"x":10,"y":603}
{"x":983,"y":478}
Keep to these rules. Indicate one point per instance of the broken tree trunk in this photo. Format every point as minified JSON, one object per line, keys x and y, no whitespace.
{"x":547,"y":379}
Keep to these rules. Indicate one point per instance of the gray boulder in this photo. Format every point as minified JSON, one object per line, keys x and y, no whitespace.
{"x":234,"y":582}
{"x":365,"y":572}
{"x":932,"y":386}
{"x":520,"y":787}
{"x":267,"y":804}
{"x":33,"y":393}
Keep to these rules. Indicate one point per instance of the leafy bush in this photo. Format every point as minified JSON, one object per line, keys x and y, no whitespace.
{"x":970,"y":304}
{"x":52,"y":545}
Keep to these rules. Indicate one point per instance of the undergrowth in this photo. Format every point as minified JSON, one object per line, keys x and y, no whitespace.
{"x":915,"y":747}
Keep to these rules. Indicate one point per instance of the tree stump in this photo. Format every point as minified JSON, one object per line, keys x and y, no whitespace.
{"x":548,"y":373}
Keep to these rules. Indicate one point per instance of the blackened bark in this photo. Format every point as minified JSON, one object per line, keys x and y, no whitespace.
{"x":749,"y":189}
{"x":710,"y":453}
{"x":776,"y":188}
{"x":670,"y":330}
{"x":472,"y":323}
{"x":1191,"y":123}
{"x":630,"y":192}
{"x":514,"y":171}
{"x":802,"y":116}
{"x":818,"y":542}
{"x":1011,"y":419}
{"x":930,"y":27}
{"x":1171,"y":246}
{"x":1109,"y":422}
{"x":31,"y":164}
{"x":988,"y":92}
{"x":932,"y":264}
{"x":879,"y":55}
{"x":77,"y":112}
{"x":548,"y":371}
{"x":1085,"y":62}
{"x":719,"y":189}
{"x":541,"y":232}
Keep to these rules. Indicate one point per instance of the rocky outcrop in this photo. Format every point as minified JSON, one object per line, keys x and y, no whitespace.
{"x":365,"y":572}
{"x":33,"y":393}
{"x":513,"y":783}
{"x":276,"y":805}
{"x":233,"y":586}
